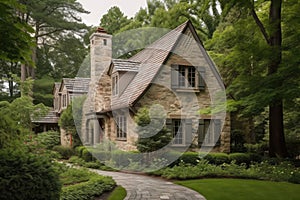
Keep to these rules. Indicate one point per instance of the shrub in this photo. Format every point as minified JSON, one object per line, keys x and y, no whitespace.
{"x":240,"y":158}
{"x":27,"y":176}
{"x":95,"y":186}
{"x":65,"y":152}
{"x":78,"y":150}
{"x":76,"y":160}
{"x":49,"y":139}
{"x":150,"y":124}
{"x":295,"y":177}
{"x":217,"y":158}
{"x":190,"y":158}
{"x":86,"y":155}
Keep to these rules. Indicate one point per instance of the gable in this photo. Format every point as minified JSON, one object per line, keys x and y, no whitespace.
{"x":182,"y":42}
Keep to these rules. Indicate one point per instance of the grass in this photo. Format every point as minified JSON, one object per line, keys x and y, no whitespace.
{"x":240,"y":189}
{"x":119,"y":193}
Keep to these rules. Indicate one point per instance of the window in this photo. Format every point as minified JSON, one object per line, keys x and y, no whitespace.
{"x":121,"y":124}
{"x":181,"y":131}
{"x":178,"y":132}
{"x":104,"y":42}
{"x":115,"y":85}
{"x":64,"y":100}
{"x":209,"y":132}
{"x":187,"y":77}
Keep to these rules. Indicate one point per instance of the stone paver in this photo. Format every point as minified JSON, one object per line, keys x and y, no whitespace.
{"x":149,"y":188}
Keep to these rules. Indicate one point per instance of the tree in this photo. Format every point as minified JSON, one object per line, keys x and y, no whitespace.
{"x":114,"y":20}
{"x":152,"y":136}
{"x":258,"y":64}
{"x":65,"y":57}
{"x":51,"y":20}
{"x":42,"y":91}
{"x":15,"y":40}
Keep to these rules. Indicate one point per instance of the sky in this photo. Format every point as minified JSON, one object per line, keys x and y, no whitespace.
{"x":100,"y":7}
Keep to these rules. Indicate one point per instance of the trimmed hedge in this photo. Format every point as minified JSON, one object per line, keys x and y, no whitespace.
{"x":96,"y":186}
{"x":27,"y":176}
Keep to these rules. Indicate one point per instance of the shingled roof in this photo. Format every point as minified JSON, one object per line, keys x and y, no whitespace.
{"x":125,"y":65}
{"x":51,"y":117}
{"x":150,"y":59}
{"x":77,"y":84}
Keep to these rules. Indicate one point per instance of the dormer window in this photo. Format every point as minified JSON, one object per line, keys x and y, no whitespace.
{"x":115,"y":85}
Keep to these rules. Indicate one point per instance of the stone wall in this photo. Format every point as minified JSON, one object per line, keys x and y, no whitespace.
{"x":184,"y":103}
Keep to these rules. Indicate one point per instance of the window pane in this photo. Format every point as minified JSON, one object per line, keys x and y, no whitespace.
{"x":177,"y":132}
{"x":181,"y":78}
{"x":192,"y":76}
{"x":121,"y":127}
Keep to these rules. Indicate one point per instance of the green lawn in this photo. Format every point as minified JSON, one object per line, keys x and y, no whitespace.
{"x":240,"y":189}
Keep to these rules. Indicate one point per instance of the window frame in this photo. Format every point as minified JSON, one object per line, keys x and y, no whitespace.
{"x":187,"y":77}
{"x":183,"y":78}
{"x":182,"y":132}
{"x":115,"y":84}
{"x":121,"y":127}
{"x":205,"y":127}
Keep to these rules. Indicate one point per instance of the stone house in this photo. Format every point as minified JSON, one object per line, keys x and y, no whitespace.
{"x":174,"y":75}
{"x":63,"y":93}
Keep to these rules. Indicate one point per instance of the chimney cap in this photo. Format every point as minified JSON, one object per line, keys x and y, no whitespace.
{"x":100,"y":30}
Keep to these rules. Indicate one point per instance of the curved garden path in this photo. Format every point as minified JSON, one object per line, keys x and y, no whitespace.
{"x":150,"y":188}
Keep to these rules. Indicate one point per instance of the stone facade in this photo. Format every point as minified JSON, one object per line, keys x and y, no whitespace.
{"x":177,"y":103}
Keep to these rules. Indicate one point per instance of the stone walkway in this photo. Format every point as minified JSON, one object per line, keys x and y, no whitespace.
{"x":150,"y":188}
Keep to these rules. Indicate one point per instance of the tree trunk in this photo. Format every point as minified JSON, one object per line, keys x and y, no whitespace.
{"x":23,"y":72}
{"x":277,"y":145}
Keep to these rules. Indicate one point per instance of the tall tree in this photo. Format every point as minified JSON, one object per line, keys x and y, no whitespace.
{"x":265,"y":80}
{"x":51,"y":19}
{"x":114,"y":20}
{"x":15,"y":40}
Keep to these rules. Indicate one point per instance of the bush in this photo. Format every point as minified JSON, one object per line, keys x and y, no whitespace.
{"x":76,"y":160}
{"x":87,"y":156}
{"x":240,"y":158}
{"x":217,"y":158}
{"x":27,"y":176}
{"x":49,"y":139}
{"x":65,"y":152}
{"x":78,"y":150}
{"x":190,"y":158}
{"x":95,"y":186}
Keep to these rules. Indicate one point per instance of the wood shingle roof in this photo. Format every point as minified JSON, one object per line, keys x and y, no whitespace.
{"x":77,"y":84}
{"x":150,"y":59}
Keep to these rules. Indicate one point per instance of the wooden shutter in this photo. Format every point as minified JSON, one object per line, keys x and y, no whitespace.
{"x":217,"y":131}
{"x":201,"y":132}
{"x":188,"y":132}
{"x":201,"y":78}
{"x":174,"y":76}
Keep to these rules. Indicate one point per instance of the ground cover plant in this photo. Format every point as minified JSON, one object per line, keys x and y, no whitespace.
{"x":82,"y":184}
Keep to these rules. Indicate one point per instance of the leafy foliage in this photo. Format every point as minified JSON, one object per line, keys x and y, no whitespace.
{"x":27,"y":176}
{"x":153,"y":137}
{"x":48,"y":139}
{"x":15,"y":40}
{"x":93,"y":187}
{"x":65,"y":152}
{"x":114,"y":20}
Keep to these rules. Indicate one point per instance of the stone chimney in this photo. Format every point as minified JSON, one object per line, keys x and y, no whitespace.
{"x":101,"y":55}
